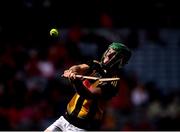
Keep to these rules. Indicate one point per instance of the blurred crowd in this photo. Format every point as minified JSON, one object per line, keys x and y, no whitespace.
{"x":32,"y":92}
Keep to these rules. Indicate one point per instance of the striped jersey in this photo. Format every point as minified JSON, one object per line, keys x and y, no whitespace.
{"x":93,"y":108}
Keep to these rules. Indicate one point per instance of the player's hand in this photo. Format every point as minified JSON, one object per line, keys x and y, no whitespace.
{"x":70,"y":74}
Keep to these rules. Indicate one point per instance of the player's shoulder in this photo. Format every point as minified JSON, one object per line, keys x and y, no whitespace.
{"x":93,"y":62}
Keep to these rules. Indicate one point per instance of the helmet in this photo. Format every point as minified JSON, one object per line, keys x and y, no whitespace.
{"x":120,"y":56}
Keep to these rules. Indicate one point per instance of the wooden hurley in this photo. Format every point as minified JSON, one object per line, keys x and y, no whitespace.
{"x":100,"y":79}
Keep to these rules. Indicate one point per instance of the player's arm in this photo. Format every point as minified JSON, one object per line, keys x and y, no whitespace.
{"x":74,"y":70}
{"x":81,"y":69}
{"x":103,"y":90}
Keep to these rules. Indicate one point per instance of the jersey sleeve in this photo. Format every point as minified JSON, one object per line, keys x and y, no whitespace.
{"x":109,"y":89}
{"x":93,"y":64}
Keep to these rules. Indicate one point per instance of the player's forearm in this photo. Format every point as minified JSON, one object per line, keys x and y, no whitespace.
{"x":79,"y":69}
{"x":74,"y":70}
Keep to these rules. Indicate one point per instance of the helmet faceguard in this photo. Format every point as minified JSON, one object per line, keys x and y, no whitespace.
{"x":117,"y":55}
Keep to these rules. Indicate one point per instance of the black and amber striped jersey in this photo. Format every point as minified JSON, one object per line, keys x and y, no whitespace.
{"x":93,"y":108}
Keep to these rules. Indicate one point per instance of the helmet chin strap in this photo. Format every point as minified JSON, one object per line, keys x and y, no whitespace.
{"x":109,"y":61}
{"x":120,"y":61}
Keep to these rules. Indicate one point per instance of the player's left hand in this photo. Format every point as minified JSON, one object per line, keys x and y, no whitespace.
{"x":70,"y":74}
